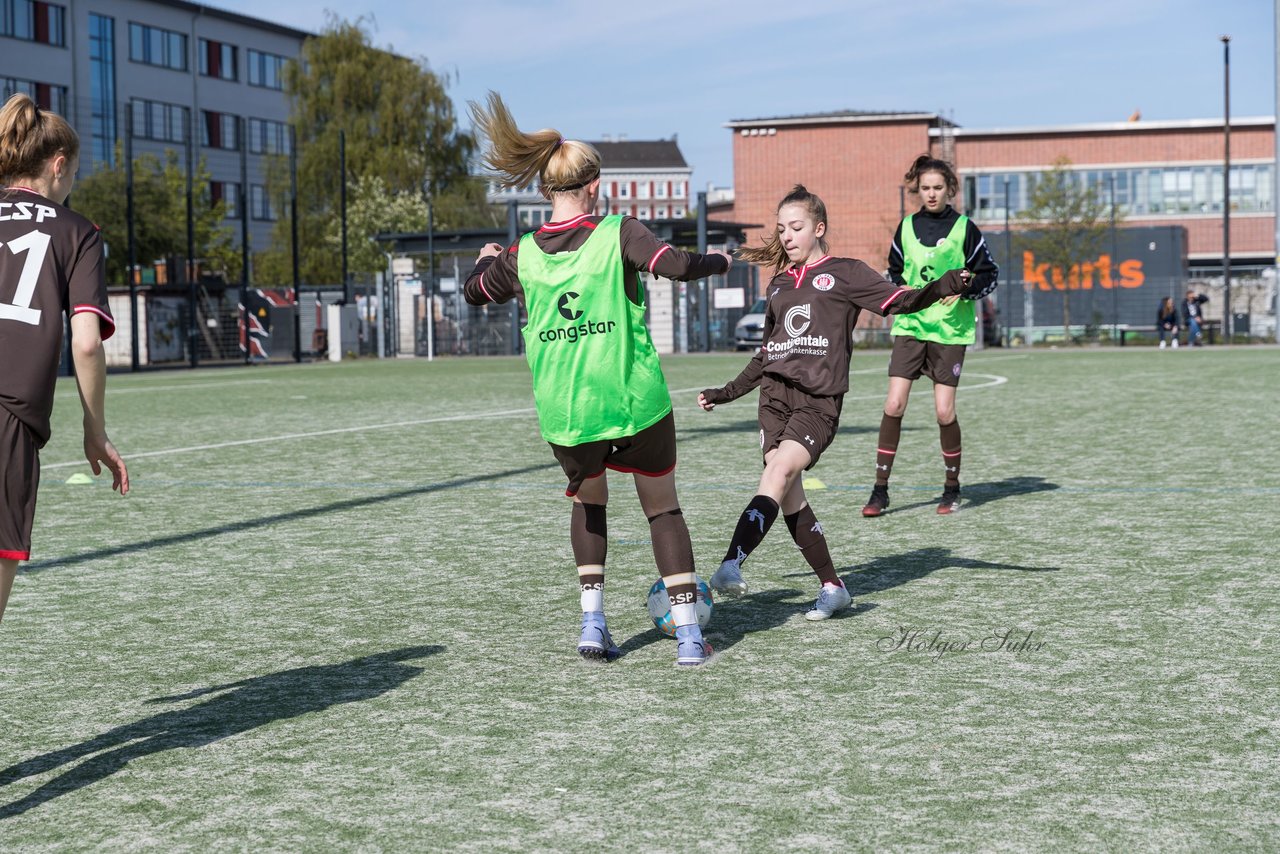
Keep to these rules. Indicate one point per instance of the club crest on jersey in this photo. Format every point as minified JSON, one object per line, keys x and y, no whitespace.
{"x":824,"y":282}
{"x":790,"y":321}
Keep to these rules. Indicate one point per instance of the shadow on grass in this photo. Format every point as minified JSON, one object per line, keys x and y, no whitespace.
{"x":884,"y":573}
{"x":734,"y":619}
{"x":242,"y":706}
{"x":978,"y":494}
{"x":276,"y":519}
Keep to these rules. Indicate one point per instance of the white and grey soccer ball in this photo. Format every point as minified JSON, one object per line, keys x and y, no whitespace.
{"x":660,"y":606}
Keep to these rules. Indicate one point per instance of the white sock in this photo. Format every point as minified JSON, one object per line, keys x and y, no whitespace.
{"x":684,"y":614}
{"x":592,"y":600}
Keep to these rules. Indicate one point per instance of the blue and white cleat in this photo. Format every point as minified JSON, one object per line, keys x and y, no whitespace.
{"x":832,"y":599}
{"x":728,"y":580}
{"x":595,"y":643}
{"x":691,"y":649}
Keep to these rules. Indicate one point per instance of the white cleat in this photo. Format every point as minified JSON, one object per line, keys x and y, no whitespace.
{"x":832,"y":599}
{"x":728,"y":580}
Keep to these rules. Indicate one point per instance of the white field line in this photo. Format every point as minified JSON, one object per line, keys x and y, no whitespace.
{"x":196,"y":386}
{"x":284,"y":436}
{"x":502,"y":413}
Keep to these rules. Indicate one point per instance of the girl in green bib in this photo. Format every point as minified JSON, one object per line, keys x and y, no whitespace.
{"x":932,"y":342}
{"x":601,"y":399}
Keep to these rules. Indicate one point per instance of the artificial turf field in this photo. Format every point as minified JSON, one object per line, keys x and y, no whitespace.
{"x":339,"y":611}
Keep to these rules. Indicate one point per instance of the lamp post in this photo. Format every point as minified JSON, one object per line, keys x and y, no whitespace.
{"x":1226,"y":188}
{"x":1008,"y":248}
{"x":1115,"y":260}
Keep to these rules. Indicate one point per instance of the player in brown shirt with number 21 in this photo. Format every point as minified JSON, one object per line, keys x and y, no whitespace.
{"x":802,"y":370}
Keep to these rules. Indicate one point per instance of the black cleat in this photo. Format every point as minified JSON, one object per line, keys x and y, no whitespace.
{"x":878,"y":502}
{"x":950,"y":501}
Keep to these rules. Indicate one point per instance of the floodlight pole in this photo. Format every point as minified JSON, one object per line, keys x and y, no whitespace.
{"x":130,"y":214}
{"x":1115,"y":260}
{"x":1226,"y":188}
{"x":513,"y":233}
{"x":293,"y":240}
{"x":431,"y":279}
{"x":1008,"y":241}
{"x":244,"y":239}
{"x":706,"y":282}
{"x":342,"y":199}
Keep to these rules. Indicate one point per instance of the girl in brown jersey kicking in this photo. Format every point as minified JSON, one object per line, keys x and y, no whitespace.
{"x":802,"y":370}
{"x":51,"y":261}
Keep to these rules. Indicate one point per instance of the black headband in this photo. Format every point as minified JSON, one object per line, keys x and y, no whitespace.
{"x":578,"y":186}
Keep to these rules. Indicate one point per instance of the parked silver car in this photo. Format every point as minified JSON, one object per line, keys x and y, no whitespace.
{"x":748,"y":334}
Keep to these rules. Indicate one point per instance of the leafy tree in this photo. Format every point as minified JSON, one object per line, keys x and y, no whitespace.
{"x":160,"y":215}
{"x":1066,"y":223}
{"x":400,"y":127}
{"x":372,"y":209}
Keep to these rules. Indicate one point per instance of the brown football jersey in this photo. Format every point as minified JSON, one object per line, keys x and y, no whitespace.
{"x":51,"y":265}
{"x":809,"y":320}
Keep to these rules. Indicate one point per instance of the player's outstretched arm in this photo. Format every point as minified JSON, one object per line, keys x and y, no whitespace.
{"x":91,"y":378}
{"x":737,"y":387}
{"x":946,"y":288}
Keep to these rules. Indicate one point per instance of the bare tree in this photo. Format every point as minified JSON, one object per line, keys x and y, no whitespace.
{"x":1065,"y":223}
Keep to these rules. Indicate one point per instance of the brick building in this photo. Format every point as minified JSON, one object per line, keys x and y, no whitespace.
{"x":1166,"y":173}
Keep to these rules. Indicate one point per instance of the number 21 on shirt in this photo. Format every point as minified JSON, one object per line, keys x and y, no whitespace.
{"x":35,"y":244}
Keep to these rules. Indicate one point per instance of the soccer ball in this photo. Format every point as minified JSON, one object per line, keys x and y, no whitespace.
{"x":660,"y":606}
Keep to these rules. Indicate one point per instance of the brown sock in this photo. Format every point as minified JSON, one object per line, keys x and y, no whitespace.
{"x":950,"y":439}
{"x":807,"y":532}
{"x":588,"y":532}
{"x":673,"y":552}
{"x":887,"y":447}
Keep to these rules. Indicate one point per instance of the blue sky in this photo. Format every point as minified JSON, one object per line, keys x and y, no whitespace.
{"x":592,"y":67}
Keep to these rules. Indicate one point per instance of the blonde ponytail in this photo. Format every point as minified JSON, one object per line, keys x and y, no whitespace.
{"x":30,"y":138}
{"x":519,"y":158}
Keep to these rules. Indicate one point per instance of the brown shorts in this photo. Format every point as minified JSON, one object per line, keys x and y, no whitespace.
{"x":939,"y":362}
{"x":789,"y":413}
{"x":19,"y":479}
{"x":651,"y":452}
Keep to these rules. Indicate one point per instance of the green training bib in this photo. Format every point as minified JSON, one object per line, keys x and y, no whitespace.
{"x":595,"y":372}
{"x":943,"y":324}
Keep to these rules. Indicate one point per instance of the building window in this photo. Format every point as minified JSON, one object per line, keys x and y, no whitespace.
{"x":662,"y":190}
{"x":680,"y":190}
{"x":102,"y":87}
{"x":159,"y":121}
{"x":642,"y":189}
{"x":1139,"y":191}
{"x":260,"y":203}
{"x":228,"y":193}
{"x":265,"y":69}
{"x":268,"y":137}
{"x":220,"y":130}
{"x":154,"y":46}
{"x":624,"y":189}
{"x":46,"y":95}
{"x":677,"y":212}
{"x":218,"y":59}
{"x":44,"y":23}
